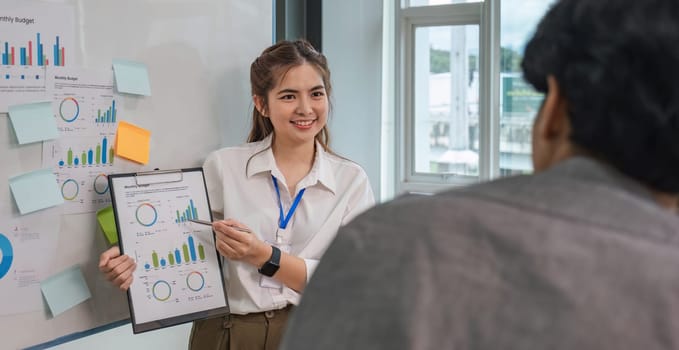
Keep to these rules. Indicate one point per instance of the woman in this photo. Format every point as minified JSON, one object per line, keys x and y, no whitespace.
{"x":286,"y":187}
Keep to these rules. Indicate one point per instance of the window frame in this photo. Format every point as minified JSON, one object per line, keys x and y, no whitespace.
{"x":407,"y":19}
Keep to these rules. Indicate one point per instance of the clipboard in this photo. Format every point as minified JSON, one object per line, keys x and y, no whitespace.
{"x":179,"y":276}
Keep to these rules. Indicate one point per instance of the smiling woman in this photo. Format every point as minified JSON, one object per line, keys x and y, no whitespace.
{"x":286,"y":188}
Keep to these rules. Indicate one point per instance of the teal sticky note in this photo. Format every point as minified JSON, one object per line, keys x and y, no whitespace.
{"x":131,"y":77}
{"x":35,"y":190}
{"x":33,"y":122}
{"x":65,"y":290}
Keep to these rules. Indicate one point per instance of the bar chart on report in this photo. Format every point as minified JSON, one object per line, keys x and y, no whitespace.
{"x":189,"y":213}
{"x":34,"y":52}
{"x":85,"y":154}
{"x":189,"y":252}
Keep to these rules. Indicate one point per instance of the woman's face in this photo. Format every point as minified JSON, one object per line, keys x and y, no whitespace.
{"x":298,"y":105}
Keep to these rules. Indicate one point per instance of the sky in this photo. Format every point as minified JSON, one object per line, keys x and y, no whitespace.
{"x":518,"y":21}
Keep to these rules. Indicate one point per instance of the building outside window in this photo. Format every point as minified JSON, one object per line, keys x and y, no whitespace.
{"x":519,"y":103}
{"x":465,"y":113}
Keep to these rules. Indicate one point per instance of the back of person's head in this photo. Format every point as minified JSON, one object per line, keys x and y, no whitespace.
{"x":617,"y":65}
{"x":269,"y":69}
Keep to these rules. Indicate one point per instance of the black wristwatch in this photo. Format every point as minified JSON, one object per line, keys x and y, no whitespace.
{"x":270,"y":267}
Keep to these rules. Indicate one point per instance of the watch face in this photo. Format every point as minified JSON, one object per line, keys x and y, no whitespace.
{"x":271,"y":266}
{"x":268,"y":269}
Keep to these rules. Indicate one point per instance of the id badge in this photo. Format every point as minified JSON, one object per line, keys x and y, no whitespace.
{"x":269,"y":282}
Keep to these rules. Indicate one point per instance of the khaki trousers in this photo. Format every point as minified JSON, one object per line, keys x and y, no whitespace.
{"x":256,"y":331}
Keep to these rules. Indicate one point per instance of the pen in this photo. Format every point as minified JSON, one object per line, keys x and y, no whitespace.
{"x":208,"y":223}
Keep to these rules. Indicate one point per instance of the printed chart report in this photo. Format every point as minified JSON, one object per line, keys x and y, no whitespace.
{"x":34,"y":37}
{"x":178,"y":276}
{"x":86,"y":114}
{"x":28,"y":251}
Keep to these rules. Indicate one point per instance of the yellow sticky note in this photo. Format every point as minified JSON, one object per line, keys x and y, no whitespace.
{"x":133,"y":142}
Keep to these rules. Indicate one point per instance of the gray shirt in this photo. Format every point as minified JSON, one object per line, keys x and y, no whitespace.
{"x":577,"y":257}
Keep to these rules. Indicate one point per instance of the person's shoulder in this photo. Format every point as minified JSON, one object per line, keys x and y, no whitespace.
{"x":506,"y":186}
{"x":246,"y":149}
{"x":497,"y":187}
{"x":423,"y":209}
{"x":340,"y":164}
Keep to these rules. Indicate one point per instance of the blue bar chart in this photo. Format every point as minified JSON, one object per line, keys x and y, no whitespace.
{"x":108,"y":116}
{"x":189,"y":213}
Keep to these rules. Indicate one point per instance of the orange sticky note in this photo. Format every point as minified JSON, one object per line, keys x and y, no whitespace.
{"x":133,"y":142}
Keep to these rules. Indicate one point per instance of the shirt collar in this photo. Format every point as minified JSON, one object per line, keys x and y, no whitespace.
{"x":321,"y":171}
{"x":262,"y":160}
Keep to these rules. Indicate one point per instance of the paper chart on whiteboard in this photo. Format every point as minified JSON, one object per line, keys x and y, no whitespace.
{"x":33,"y":37}
{"x":28,"y":249}
{"x":87,"y":116}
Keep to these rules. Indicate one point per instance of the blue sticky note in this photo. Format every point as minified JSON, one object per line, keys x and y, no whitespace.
{"x":65,"y":290}
{"x":35,"y":190}
{"x":131,"y":77}
{"x":33,"y":122}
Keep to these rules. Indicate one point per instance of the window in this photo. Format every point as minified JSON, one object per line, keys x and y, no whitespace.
{"x":413,"y":3}
{"x":446,"y":100}
{"x":463,"y":111}
{"x":519,"y":103}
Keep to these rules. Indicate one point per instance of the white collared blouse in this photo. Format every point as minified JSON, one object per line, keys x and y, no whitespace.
{"x":240,"y":187}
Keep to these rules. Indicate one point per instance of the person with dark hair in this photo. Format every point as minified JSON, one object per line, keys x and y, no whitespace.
{"x":285,"y":186}
{"x":583,"y":254}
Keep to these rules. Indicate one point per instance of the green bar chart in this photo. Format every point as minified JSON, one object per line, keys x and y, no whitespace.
{"x":190,"y":253}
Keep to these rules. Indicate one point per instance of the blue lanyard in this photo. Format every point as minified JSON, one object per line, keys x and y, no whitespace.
{"x":284,"y":219}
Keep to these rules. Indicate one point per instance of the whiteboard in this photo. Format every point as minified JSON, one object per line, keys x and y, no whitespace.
{"x":198,"y":54}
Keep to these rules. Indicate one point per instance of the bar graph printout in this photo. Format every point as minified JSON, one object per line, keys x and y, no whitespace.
{"x":86,"y":113}
{"x":33,"y":37}
{"x":178,"y":276}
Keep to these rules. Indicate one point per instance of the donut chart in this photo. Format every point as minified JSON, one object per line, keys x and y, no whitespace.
{"x":195,"y":281}
{"x":70,"y":190}
{"x":146,"y":214}
{"x":69,"y":109}
{"x":7,"y":255}
{"x":101,"y":184}
{"x":162,"y":290}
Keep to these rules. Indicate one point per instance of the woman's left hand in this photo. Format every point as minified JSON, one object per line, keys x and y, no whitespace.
{"x":235,"y":244}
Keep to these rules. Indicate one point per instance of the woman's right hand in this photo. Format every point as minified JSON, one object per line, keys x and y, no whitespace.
{"x":117,"y":268}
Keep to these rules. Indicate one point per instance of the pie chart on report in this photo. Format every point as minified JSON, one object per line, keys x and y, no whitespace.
{"x":6,"y":255}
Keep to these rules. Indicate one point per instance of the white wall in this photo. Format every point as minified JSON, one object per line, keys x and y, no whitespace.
{"x":352,"y":42}
{"x":249,"y":27}
{"x":198,"y":54}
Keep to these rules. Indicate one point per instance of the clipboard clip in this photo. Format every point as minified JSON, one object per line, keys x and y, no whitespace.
{"x":158,"y":177}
